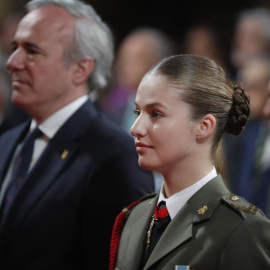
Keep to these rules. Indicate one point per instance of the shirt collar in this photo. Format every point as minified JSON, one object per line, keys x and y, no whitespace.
{"x":177,"y":201}
{"x":52,"y":124}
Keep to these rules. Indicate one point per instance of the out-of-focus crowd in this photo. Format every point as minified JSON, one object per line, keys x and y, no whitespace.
{"x":244,"y":161}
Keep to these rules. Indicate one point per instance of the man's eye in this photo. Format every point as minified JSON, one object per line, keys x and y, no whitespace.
{"x":13,"y":49}
{"x":31,"y":51}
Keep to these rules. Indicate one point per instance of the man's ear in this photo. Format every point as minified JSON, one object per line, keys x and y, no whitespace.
{"x":206,"y":127}
{"x":83,"y":68}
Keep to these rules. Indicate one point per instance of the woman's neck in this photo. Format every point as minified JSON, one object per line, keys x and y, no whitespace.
{"x":179,"y":179}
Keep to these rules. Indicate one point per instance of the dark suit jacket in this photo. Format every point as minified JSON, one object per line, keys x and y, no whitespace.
{"x":224,"y":237}
{"x":63,"y":215}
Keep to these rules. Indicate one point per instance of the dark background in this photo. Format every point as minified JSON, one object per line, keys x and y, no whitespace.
{"x":171,"y":16}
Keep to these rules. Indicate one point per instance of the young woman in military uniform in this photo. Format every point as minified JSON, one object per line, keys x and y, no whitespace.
{"x":184,"y":104}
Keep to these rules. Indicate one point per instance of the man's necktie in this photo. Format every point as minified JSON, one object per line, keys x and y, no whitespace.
{"x":159,"y":223}
{"x":20,"y":168}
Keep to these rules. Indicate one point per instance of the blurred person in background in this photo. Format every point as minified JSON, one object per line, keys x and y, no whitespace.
{"x":251,"y":37}
{"x":202,"y":39}
{"x":139,"y":51}
{"x":246,"y":167}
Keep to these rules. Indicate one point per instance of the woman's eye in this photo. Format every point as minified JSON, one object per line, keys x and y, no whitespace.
{"x":136,"y":112}
{"x":156,"y":114}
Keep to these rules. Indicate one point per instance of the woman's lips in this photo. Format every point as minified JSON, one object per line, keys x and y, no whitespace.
{"x":141,"y":148}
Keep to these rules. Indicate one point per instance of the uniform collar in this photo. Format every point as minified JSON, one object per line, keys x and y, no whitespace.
{"x":178,"y":200}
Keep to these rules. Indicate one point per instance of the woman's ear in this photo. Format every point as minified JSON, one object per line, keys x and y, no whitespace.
{"x":83,"y":68}
{"x":206,"y":127}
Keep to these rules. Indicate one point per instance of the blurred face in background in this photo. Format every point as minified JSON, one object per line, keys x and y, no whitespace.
{"x":249,"y":40}
{"x":250,"y":37}
{"x":203,"y":41}
{"x":255,"y":76}
{"x":135,"y":57}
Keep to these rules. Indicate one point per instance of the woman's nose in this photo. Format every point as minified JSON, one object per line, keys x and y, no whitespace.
{"x":138,"y":128}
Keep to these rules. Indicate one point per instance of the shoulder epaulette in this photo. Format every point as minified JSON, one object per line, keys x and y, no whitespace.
{"x":148,"y":196}
{"x":240,"y":204}
{"x":118,"y":227}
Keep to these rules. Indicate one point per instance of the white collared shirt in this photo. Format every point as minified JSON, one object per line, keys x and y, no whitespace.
{"x":178,"y":200}
{"x":52,"y":124}
{"x":49,"y":128}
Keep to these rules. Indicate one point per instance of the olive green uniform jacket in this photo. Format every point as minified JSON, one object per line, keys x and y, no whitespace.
{"x":214,"y":230}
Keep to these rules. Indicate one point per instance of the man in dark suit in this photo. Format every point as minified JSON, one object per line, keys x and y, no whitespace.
{"x":84,"y":169}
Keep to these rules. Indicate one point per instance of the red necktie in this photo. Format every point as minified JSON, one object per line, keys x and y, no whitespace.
{"x":159,"y":223}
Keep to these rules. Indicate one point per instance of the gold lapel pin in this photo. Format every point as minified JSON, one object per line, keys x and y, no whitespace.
{"x":202,"y":210}
{"x":64,"y":154}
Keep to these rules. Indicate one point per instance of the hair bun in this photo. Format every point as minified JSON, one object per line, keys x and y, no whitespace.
{"x":239,"y":112}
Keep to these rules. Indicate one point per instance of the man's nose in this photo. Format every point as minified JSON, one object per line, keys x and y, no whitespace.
{"x":16,"y":60}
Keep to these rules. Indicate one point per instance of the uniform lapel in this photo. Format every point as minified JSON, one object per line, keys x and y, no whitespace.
{"x":198,"y":209}
{"x":178,"y":232}
{"x":135,"y":233}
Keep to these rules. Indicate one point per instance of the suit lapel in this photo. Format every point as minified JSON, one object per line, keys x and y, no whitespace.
{"x":180,"y":230}
{"x":52,"y":161}
{"x":45,"y":171}
{"x":8,"y":147}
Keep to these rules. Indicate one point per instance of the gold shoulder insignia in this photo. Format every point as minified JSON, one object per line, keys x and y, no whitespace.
{"x":234,"y":198}
{"x":240,"y":204}
{"x":252,"y":209}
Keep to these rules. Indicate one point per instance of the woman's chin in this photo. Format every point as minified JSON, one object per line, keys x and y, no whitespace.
{"x":146,"y":166}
